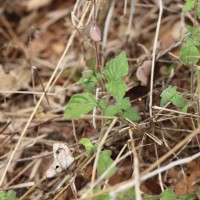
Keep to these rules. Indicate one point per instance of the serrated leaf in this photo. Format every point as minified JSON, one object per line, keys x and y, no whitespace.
{"x":87,"y":144}
{"x":189,"y":40}
{"x":189,"y":5}
{"x":80,"y":104}
{"x":167,"y":94}
{"x":196,"y":35}
{"x":171,"y":95}
{"x":117,"y":89}
{"x":112,"y":110}
{"x":132,"y":114}
{"x":189,"y":54}
{"x":104,"y":162}
{"x":125,"y":103}
{"x":168,"y":194}
{"x":178,"y":101}
{"x":127,"y":195}
{"x":116,"y":68}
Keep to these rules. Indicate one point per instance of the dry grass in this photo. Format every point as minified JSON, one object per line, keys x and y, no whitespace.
{"x":54,"y":40}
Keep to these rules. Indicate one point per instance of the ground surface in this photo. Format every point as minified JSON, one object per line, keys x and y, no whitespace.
{"x":34,"y":35}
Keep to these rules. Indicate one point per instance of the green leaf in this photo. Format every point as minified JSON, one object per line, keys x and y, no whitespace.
{"x":198,"y":193}
{"x":196,"y":35}
{"x":171,"y":95}
{"x":11,"y":195}
{"x":132,"y":114}
{"x":169,"y":69}
{"x":189,"y":5}
{"x":102,"y":104}
{"x":105,"y":196}
{"x":80,"y":104}
{"x":189,"y":54}
{"x":185,"y":108}
{"x":168,"y":194}
{"x":104,"y":162}
{"x":116,"y":68}
{"x":87,"y":144}
{"x":99,"y":76}
{"x":127,"y":195}
{"x":150,"y":197}
{"x":117,"y":89}
{"x":187,"y":197}
{"x":91,"y":63}
{"x":178,"y":101}
{"x":198,"y":10}
{"x":95,"y":147}
{"x":88,"y":80}
{"x":125,"y":103}
{"x":2,"y":195}
{"x":112,"y":110}
{"x":189,"y":28}
{"x":167,"y":94}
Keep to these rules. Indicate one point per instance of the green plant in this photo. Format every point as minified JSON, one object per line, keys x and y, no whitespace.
{"x":104,"y":161}
{"x":168,"y":194}
{"x":189,"y":53}
{"x":9,"y":195}
{"x":115,"y":86}
{"x":198,"y":193}
{"x":171,"y":95}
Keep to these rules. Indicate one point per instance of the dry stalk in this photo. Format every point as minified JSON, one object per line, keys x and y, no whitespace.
{"x":33,"y":187}
{"x":43,"y":94}
{"x":154,"y":56}
{"x":99,"y":149}
{"x":136,"y":168}
{"x":20,"y":173}
{"x":149,"y":169}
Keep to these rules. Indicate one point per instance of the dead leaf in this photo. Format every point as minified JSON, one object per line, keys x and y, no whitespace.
{"x":143,"y":72}
{"x":172,"y":35}
{"x":16,"y":79}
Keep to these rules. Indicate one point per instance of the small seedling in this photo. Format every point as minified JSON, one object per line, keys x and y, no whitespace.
{"x":171,"y":95}
{"x":113,"y":76}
